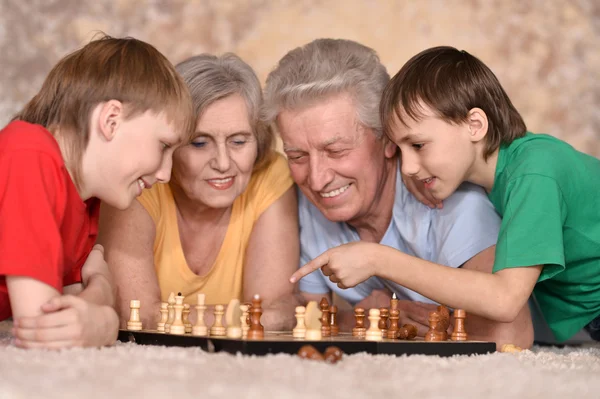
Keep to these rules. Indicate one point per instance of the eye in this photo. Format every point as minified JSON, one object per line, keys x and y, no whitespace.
{"x":165,"y":146}
{"x":198,"y":144}
{"x":296,"y":158}
{"x":239,"y":142}
{"x":418,"y":146}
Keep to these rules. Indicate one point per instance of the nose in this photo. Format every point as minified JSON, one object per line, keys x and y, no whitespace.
{"x":410,"y":164}
{"x":320,"y":174}
{"x":163,"y":174}
{"x":221,"y":160}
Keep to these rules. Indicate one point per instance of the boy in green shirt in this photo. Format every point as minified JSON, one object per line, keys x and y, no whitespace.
{"x":453,"y":122}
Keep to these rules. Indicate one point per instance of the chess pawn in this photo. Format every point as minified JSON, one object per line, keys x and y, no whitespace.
{"x":256,"y":331}
{"x":459,"y":333}
{"x":171,"y":311}
{"x":359,"y":329}
{"x":186,"y":318}
{"x":218,"y":330}
{"x":373,"y":333}
{"x":383,"y":321}
{"x":325,"y":327}
{"x":164,"y":316}
{"x":245,"y":320}
{"x":134,"y":323}
{"x":177,"y":327}
{"x":300,"y":330}
{"x":200,"y":329}
{"x":435,"y":325}
{"x":233,"y":316}
{"x":335,"y":330}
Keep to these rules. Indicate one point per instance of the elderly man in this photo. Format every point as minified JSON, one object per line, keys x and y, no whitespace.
{"x":323,"y":98}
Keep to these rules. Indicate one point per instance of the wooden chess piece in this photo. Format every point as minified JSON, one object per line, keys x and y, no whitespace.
{"x":333,"y":354}
{"x":384,"y":314}
{"x":312,"y":320}
{"x":217,"y":329}
{"x":200,"y":329}
{"x":359,"y":329}
{"x":335,"y":329}
{"x":394,"y":302}
{"x":444,"y":321}
{"x":256,"y":331}
{"x":177,"y":326}
{"x":325,"y":327}
{"x":411,"y":331}
{"x":435,"y":332}
{"x":300,"y":330}
{"x":134,"y":323}
{"x":394,"y":327}
{"x":164,"y":316}
{"x":245,"y":320}
{"x":233,"y":320}
{"x":373,"y":333}
{"x":171,"y":311}
{"x":459,"y":332}
{"x":186,"y":318}
{"x":310,"y":352}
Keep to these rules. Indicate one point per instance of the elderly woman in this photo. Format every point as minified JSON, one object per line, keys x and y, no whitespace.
{"x":324,"y":100}
{"x":226,"y":225}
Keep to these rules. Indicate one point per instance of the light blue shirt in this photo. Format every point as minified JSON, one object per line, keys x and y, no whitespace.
{"x":467,"y":224}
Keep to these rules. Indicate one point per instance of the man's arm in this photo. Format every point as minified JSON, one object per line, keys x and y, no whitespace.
{"x":272,"y":255}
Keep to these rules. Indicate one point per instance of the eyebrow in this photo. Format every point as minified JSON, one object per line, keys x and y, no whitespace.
{"x":200,"y":133}
{"x":325,"y":144}
{"x":411,"y":137}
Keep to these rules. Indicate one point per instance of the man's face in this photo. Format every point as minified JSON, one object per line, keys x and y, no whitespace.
{"x":338,"y":164}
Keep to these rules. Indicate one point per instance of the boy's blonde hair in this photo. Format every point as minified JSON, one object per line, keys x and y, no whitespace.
{"x":451,"y":83}
{"x":123,"y":69}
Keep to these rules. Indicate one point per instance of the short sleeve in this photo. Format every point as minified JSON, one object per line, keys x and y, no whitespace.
{"x":465,"y":226}
{"x":150,"y":200}
{"x":32,"y":193}
{"x":532,"y":226}
{"x":269,"y":184}
{"x":313,"y":283}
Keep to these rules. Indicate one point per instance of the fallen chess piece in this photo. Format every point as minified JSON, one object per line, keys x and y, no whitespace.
{"x":510,"y":348}
{"x":332,"y":355}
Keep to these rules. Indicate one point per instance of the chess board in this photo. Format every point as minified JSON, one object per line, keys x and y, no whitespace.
{"x":283,"y":342}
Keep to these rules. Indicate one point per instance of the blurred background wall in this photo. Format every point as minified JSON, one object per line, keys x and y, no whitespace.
{"x":546,"y":53}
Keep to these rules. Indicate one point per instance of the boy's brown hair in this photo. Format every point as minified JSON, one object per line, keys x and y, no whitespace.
{"x":123,"y":69}
{"x":451,"y":83}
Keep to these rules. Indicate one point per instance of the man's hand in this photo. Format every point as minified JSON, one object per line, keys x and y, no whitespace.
{"x":68,"y":321}
{"x":346,"y":265}
{"x":376,"y":299}
{"x":417,"y":188}
{"x":417,"y":314}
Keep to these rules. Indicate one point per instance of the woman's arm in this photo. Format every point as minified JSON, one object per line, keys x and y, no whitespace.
{"x":273,"y":254}
{"x":128,"y":240}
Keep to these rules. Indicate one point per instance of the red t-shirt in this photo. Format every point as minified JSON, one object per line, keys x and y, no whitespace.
{"x":46,"y":230}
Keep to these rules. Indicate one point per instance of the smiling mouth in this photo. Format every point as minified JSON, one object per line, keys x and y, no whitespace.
{"x":141,"y":183}
{"x":222,"y":183}
{"x":334,"y":193}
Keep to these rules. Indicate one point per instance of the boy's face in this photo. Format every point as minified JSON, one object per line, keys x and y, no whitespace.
{"x":140,"y":155}
{"x":216,"y":167}
{"x":439,"y":154}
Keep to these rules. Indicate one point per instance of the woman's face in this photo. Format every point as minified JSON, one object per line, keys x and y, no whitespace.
{"x":215,"y":168}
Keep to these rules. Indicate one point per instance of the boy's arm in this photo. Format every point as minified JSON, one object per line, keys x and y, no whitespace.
{"x":27,"y":295}
{"x":499,"y":296}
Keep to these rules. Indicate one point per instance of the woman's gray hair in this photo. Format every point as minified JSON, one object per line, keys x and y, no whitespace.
{"x":322,"y":68}
{"x":210,"y":78}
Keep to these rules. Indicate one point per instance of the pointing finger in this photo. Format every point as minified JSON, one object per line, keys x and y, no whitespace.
{"x":310,"y":267}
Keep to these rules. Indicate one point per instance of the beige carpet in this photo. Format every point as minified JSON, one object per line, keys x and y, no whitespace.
{"x":130,"y":370}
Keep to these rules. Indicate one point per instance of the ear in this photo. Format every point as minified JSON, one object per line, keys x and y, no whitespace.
{"x":477,"y":122}
{"x":110,"y":118}
{"x":390,"y":148}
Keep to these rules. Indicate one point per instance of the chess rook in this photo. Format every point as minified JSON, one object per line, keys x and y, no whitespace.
{"x":134,"y":323}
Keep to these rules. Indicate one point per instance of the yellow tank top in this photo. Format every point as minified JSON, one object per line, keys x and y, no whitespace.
{"x":224,"y":280}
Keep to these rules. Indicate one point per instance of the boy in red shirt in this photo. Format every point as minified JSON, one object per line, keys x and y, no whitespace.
{"x":102,"y":128}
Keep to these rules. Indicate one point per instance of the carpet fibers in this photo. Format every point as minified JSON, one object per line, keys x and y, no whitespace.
{"x":134,"y":371}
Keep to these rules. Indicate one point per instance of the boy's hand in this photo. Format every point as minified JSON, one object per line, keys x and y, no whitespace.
{"x":346,"y":265}
{"x":417,"y":188}
{"x":68,"y":321}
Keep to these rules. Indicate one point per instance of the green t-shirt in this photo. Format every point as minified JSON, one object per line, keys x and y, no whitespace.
{"x":548,"y":195}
